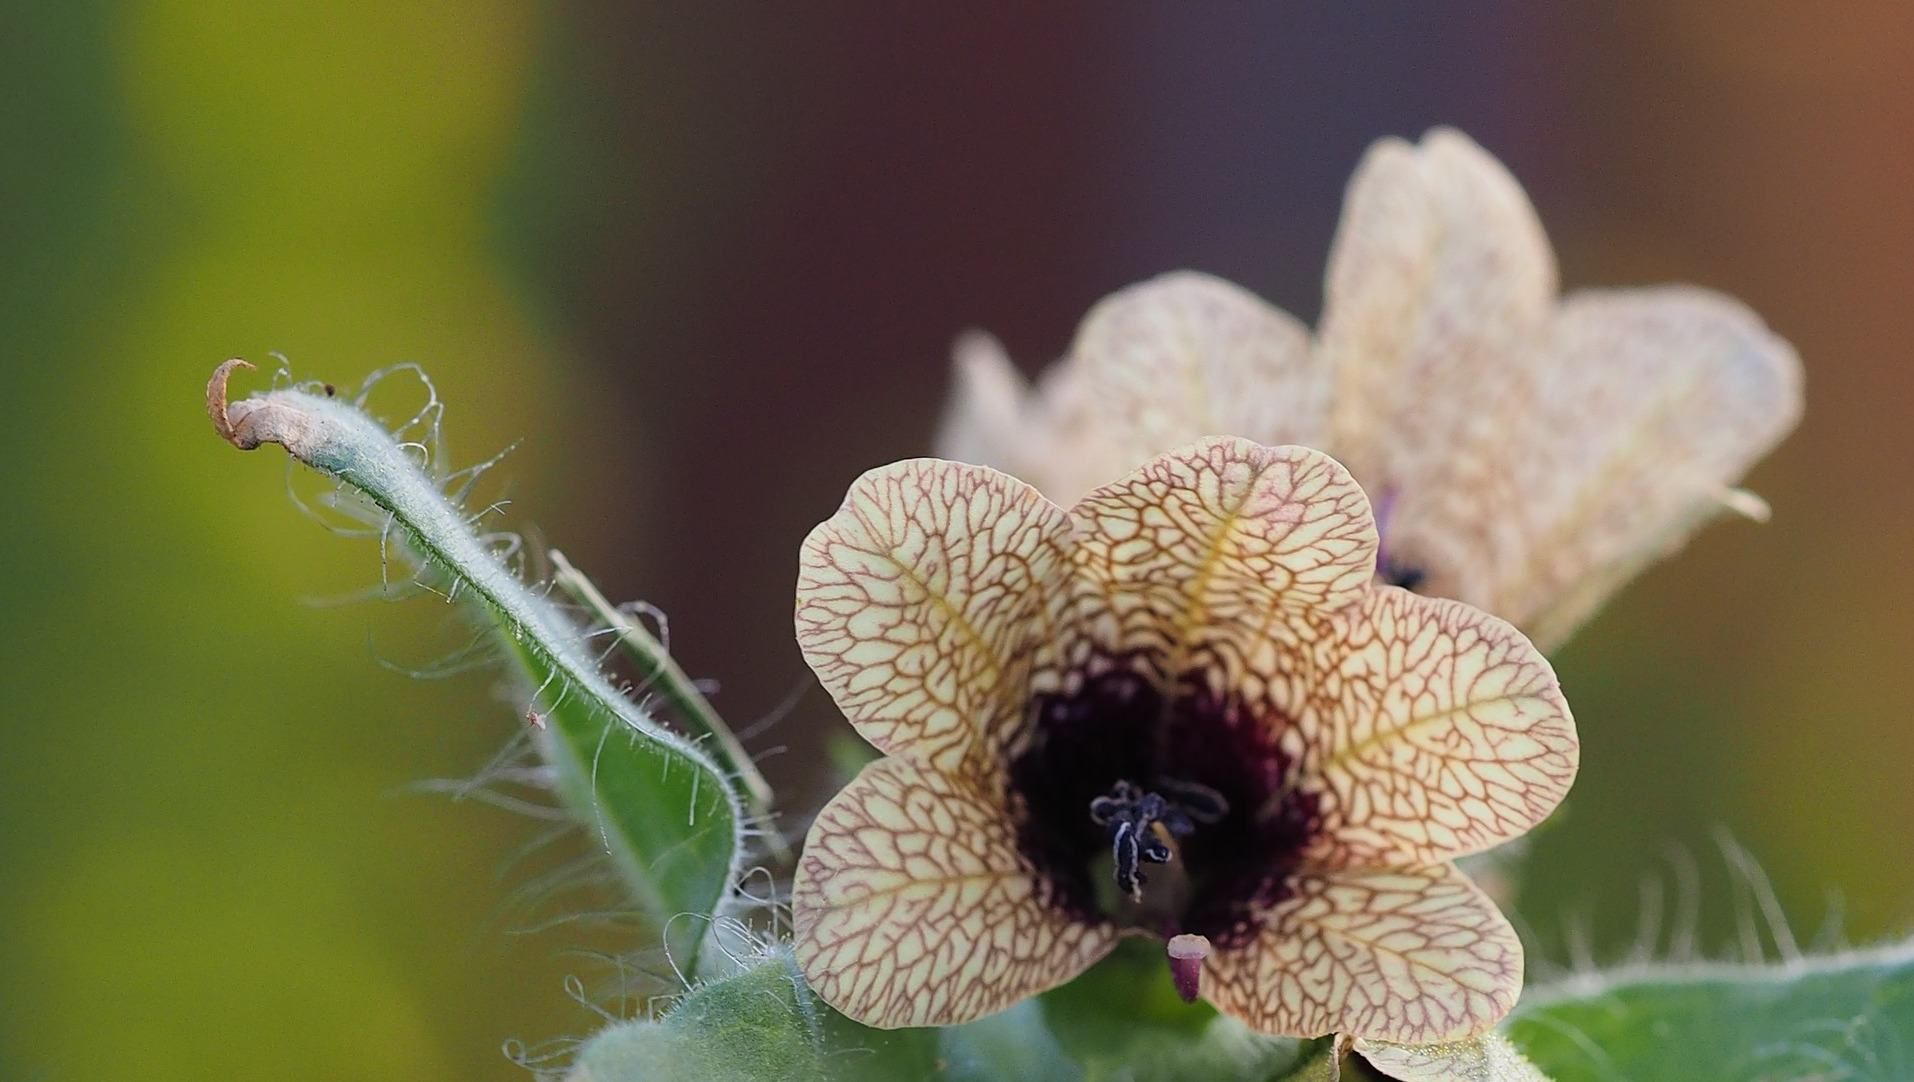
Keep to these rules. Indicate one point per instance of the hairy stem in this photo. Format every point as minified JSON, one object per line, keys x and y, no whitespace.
{"x":664,"y":811}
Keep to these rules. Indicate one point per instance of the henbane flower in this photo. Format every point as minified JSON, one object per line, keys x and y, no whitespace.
{"x":1182,"y":708}
{"x":1526,"y":455}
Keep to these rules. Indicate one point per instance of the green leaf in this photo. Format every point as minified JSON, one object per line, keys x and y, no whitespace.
{"x":762,"y":1025}
{"x":1322,"y":1065}
{"x":757,"y":1026}
{"x":1124,"y":1020}
{"x":663,"y":811}
{"x":1487,"y":1058}
{"x":667,"y":820}
{"x":1121,"y":1021}
{"x":1016,"y":1043}
{"x":1843,"y":1018}
{"x":658,"y":673}
{"x":1846,"y":1017}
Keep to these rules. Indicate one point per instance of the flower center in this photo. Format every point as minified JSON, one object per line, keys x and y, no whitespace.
{"x":1125,"y":771}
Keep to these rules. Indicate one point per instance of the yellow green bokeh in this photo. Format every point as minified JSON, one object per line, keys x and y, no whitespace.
{"x":210,"y":867}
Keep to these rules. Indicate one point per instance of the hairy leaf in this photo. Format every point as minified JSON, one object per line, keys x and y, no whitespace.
{"x":663,"y":811}
{"x":1848,"y":1017}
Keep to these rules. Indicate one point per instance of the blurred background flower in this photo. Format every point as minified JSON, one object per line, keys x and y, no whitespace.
{"x":706,"y":261}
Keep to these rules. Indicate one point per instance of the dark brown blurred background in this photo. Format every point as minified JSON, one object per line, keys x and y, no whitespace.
{"x":708,"y":260}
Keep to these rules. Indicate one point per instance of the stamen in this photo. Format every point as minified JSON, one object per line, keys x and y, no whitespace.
{"x":1199,"y":802}
{"x":1123,"y":846}
{"x":1400,"y":574}
{"x":1132,"y":816}
{"x":1390,"y":566}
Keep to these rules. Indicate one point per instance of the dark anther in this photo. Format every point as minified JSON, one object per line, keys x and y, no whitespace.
{"x":1104,"y":809}
{"x":1131,"y":814}
{"x":1200,"y":802}
{"x":1390,"y":567}
{"x":1407,"y":576}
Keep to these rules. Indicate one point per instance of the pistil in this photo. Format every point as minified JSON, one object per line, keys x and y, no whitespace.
{"x":1186,"y":964}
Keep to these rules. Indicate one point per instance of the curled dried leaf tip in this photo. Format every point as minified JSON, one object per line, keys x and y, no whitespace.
{"x":252,"y":421}
{"x":216,"y":400}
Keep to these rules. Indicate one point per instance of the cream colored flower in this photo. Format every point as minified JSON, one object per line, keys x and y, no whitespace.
{"x":1181,"y":708}
{"x":1526,"y":454}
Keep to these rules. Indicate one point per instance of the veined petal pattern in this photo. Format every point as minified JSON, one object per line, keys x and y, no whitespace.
{"x":1219,"y":550}
{"x":1187,"y":355}
{"x":1433,"y":730}
{"x":1414,"y":955}
{"x":922,"y":602}
{"x":913,"y":907}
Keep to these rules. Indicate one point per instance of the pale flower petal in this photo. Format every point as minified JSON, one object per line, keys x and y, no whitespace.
{"x":993,"y":417}
{"x":1534,"y":455}
{"x":1440,"y":289}
{"x":1415,"y":955}
{"x":1655,"y":401}
{"x":922,"y":604}
{"x":913,"y":907}
{"x":1187,"y":355}
{"x":1045,"y":434}
{"x":1435,"y":730}
{"x":1531,"y":454}
{"x":1218,"y":552}
{"x":1440,"y":284}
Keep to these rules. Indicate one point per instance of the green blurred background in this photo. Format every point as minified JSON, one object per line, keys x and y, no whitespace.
{"x":705,"y":260}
